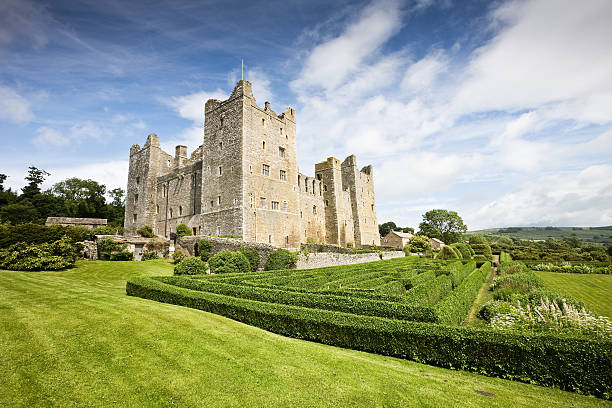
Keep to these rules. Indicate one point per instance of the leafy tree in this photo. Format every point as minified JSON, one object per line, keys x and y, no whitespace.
{"x":19,"y":213}
{"x":417,"y":244}
{"x":117,"y":196}
{"x":34,"y":178}
{"x":182,"y":230}
{"x":204,"y":247}
{"x":146,"y":231}
{"x":2,"y":180}
{"x":408,"y":229}
{"x":442,"y":224}
{"x":86,"y":197}
{"x":383,"y":229}
{"x":610,"y":250}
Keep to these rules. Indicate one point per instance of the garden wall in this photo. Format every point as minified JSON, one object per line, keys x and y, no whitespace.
{"x":323,"y":259}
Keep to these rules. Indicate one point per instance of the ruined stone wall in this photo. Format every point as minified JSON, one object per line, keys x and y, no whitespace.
{"x":331,"y":179}
{"x":312,"y":210}
{"x":189,"y":244}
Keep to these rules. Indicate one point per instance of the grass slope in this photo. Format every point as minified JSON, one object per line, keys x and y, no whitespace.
{"x":73,"y":338}
{"x":601,"y":235}
{"x":595,"y":290}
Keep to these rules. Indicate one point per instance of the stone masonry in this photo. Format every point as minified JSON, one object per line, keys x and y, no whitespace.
{"x":244,"y":182}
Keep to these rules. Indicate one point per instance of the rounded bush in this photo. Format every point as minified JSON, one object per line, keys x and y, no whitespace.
{"x":280,"y":259}
{"x":183,"y":230}
{"x":190,"y":266}
{"x":178,"y":256}
{"x":252,"y":255}
{"x":146,"y":231}
{"x":149,"y":255}
{"x":417,"y":244}
{"x":204,"y":248}
{"x":447,"y":252}
{"x":463,"y":249}
{"x":229,"y":262}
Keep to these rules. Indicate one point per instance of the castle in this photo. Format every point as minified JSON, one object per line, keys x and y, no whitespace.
{"x":243,"y":181}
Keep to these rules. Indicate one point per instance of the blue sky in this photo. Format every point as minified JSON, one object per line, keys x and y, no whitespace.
{"x":499,"y":110}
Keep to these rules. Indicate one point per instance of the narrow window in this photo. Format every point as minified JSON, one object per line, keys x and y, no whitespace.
{"x":314,"y":209}
{"x":263,"y":122}
{"x":262,"y":202}
{"x":275,"y":205}
{"x":313,"y":186}
{"x":326,"y":203}
{"x":283,"y":175}
{"x":135,"y":218}
{"x":135,"y":198}
{"x":169,"y":163}
{"x":265,"y":169}
{"x":157,"y":209}
{"x":263,"y":145}
{"x":218,"y":230}
{"x":286,"y":239}
{"x":269,"y":239}
{"x":319,"y":176}
{"x":220,"y":170}
{"x":218,"y":200}
{"x":372,"y":207}
{"x":324,"y":187}
{"x":281,"y":131}
{"x":138,"y":180}
{"x":180,"y":210}
{"x":281,"y":151}
{"x":220,"y":145}
{"x":171,"y":213}
{"x":212,"y":203}
{"x":221,"y":121}
{"x":285,"y":206}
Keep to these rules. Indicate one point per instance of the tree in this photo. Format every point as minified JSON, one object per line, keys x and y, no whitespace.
{"x":19,"y":213}
{"x":383,"y":229}
{"x":117,"y":196}
{"x":408,"y":229}
{"x":442,"y":224}
{"x":417,"y":244}
{"x":610,"y":250}
{"x":2,"y":180}
{"x":34,"y":178}
{"x":86,"y":197}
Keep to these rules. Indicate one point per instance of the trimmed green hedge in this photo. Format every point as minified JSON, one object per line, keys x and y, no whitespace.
{"x":430,"y":292}
{"x":459,"y":273}
{"x":571,"y":363}
{"x":454,"y":308}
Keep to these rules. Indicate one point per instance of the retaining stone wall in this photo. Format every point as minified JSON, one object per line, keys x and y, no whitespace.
{"x":323,"y":259}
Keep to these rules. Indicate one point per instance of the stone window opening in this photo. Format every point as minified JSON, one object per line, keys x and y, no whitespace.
{"x":275,"y":205}
{"x":135,"y":199}
{"x":250,"y":169}
{"x":220,"y":171}
{"x":263,"y":123}
{"x":283,"y":175}
{"x":212,"y":203}
{"x":319,"y":176}
{"x":171,"y":213}
{"x":286,"y":239}
{"x":269,"y":238}
{"x":313,"y":186}
{"x":265,"y":169}
{"x":180,"y":210}
{"x":218,"y":230}
{"x":220,"y":145}
{"x":157,"y":209}
{"x":263,"y":145}
{"x":281,"y":151}
{"x":135,"y":218}
{"x":281,"y":131}
{"x":169,"y":165}
{"x":221,"y":122}
{"x":372,"y":207}
{"x":219,"y":200}
{"x":327,"y":203}
{"x":262,"y":202}
{"x":301,"y":214}
{"x":314,"y":209}
{"x":325,"y":187}
{"x":138,"y":180}
{"x":285,"y":206}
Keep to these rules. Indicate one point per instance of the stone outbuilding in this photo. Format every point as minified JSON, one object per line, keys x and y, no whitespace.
{"x":436,"y":244}
{"x":396,"y":239}
{"x":77,"y":222}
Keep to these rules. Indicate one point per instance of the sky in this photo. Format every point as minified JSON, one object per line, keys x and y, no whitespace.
{"x":499,"y":110}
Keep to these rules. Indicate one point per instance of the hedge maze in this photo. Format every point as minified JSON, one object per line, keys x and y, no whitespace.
{"x":406,"y":307}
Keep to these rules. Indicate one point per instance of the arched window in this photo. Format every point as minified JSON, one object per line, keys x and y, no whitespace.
{"x":180,"y":210}
{"x":171,"y":213}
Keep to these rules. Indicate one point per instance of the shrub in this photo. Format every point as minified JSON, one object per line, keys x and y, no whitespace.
{"x":280,"y":259}
{"x":204,"y":247}
{"x":108,"y":246}
{"x":105,"y":230}
{"x":191,"y":265}
{"x":182,"y":230}
{"x":429,"y":293}
{"x":178,"y":256}
{"x":447,"y":252}
{"x":146,"y":231}
{"x":149,"y":255}
{"x":39,"y":234}
{"x":252,"y":255}
{"x":229,"y":262}
{"x":463,"y":249}
{"x":417,"y":244}
{"x":60,"y":254}
{"x":482,"y":251}
{"x":477,"y":239}
{"x":122,"y":256}
{"x":158,"y":245}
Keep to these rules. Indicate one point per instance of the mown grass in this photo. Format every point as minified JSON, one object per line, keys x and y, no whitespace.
{"x":595,"y":290}
{"x":73,"y":338}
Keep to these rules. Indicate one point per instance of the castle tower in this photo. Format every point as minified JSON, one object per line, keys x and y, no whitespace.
{"x":141,"y":195}
{"x":360,"y":185}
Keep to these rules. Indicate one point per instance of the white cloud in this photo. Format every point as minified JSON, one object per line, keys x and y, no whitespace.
{"x":329,"y":63}
{"x":47,"y":136}
{"x":574,"y":198}
{"x":14,"y":107}
{"x":424,"y":73}
{"x":112,"y":173}
{"x":192,"y":106}
{"x":23,"y":20}
{"x":261,"y":86}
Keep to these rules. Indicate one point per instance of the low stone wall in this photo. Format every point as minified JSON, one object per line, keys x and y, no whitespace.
{"x":188,"y":245}
{"x":323,"y":259}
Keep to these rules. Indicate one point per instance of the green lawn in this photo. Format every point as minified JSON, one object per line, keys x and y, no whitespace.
{"x":73,"y":338}
{"x":595,"y":290}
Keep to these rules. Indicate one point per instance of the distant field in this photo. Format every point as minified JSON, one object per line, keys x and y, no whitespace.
{"x":601,"y":235}
{"x":595,"y":290}
{"x":73,"y":338}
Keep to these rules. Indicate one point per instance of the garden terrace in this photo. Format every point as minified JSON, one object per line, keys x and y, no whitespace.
{"x":407,"y":307}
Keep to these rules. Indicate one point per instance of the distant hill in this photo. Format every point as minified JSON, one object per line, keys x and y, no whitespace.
{"x":601,"y":235}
